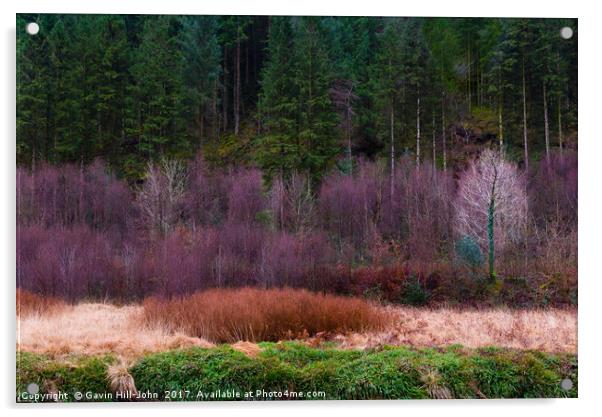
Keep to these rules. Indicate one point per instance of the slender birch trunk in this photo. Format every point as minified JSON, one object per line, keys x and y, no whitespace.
{"x":469,"y":76}
{"x":237,"y":89}
{"x":560,"y":144}
{"x":418,"y":133}
{"x":546,"y":123}
{"x":500,"y":105}
{"x":225,"y":95}
{"x":434,"y":144}
{"x":443,"y":133}
{"x":500,"y":128}
{"x":392,"y":124}
{"x":525,"y":119}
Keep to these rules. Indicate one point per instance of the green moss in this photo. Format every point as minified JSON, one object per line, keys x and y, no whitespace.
{"x":387,"y":373}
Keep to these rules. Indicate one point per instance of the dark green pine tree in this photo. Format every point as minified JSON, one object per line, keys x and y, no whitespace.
{"x":351,"y":46}
{"x":33,"y":83}
{"x":278,"y":150}
{"x":233,"y":35}
{"x":420,"y":76}
{"x":389,"y":84}
{"x":155,"y":110}
{"x":64,"y":92}
{"x":80,"y":127}
{"x":317,"y":135}
{"x":114,"y":61}
{"x":200,"y":71}
{"x":520,"y":36}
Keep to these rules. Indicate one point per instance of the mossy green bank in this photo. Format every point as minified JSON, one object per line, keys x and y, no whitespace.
{"x":293,"y":370}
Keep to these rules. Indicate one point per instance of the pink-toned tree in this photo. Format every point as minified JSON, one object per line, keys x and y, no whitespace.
{"x":491,"y":203}
{"x":161,"y":198}
{"x":292,"y":203}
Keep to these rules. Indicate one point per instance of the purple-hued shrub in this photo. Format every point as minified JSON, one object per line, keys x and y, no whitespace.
{"x":73,"y":195}
{"x":72,"y":263}
{"x":350,"y":206}
{"x":84,"y":234}
{"x":245,"y":196}
{"x":553,"y":190}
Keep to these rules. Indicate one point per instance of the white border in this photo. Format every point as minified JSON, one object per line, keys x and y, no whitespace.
{"x":590,"y":233}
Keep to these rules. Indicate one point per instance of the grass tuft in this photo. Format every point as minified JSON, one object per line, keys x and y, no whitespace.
{"x":248,"y":314}
{"x":29,"y":303}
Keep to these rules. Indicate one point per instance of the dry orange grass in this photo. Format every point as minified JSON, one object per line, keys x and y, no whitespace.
{"x":252,"y":314}
{"x":92,"y":329}
{"x":30,"y":303}
{"x":129,"y":332}
{"x":551,"y":330}
{"x":248,"y":348}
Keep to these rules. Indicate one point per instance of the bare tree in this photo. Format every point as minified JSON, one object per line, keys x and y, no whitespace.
{"x":292,"y":203}
{"x":491,"y":203}
{"x":161,"y":197}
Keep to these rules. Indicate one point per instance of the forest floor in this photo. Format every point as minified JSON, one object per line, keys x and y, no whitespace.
{"x":96,"y":329}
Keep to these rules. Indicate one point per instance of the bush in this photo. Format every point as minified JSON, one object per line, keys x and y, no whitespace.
{"x":469,"y":252}
{"x":262,"y":315}
{"x":414,"y":293}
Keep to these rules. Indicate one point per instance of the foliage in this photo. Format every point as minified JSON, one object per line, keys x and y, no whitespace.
{"x":301,"y":93}
{"x":414,"y":292}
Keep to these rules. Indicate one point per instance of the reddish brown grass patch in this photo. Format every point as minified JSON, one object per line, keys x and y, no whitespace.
{"x":29,"y":303}
{"x":262,"y":315}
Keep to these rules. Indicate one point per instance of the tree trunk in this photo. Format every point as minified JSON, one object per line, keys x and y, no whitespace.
{"x":500,"y":126}
{"x":546,"y":124}
{"x":525,"y":119}
{"x":434,"y":144}
{"x":469,"y":92}
{"x":490,"y":228}
{"x":559,"y":109}
{"x":560,"y":123}
{"x":349,"y":132}
{"x":237,"y":90}
{"x":443,"y":133}
{"x":214,"y":109}
{"x":201,"y":122}
{"x":225,"y":94}
{"x":418,"y":133}
{"x":490,"y":237}
{"x":80,"y":200}
{"x":392,"y":121}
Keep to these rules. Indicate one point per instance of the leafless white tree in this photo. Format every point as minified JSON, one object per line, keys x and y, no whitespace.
{"x":161,"y":196}
{"x":291,"y":203}
{"x":491,"y":203}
